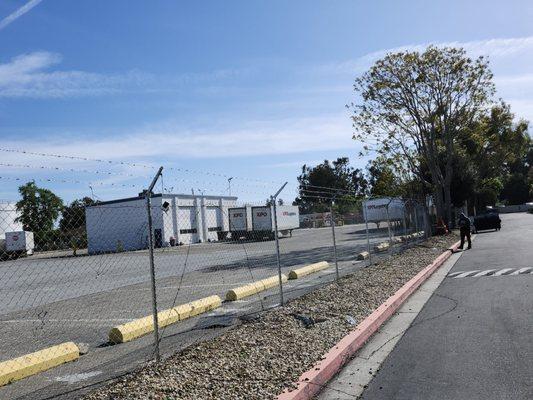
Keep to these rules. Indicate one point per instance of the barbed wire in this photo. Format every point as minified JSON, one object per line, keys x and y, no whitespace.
{"x":126,"y":163}
{"x":69,"y":181}
{"x":86,"y":171}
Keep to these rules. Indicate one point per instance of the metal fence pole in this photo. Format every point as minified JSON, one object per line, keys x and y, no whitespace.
{"x":152,"y":267}
{"x":332,"y":219}
{"x":278,"y":256}
{"x":388,"y":223}
{"x":404,"y":221}
{"x":368,"y":243}
{"x":416,"y":220}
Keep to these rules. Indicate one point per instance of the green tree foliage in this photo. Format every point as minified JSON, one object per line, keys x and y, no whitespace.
{"x":39,"y":208}
{"x":493,"y":149}
{"x":319,"y":185}
{"x":414,"y":105}
{"x":382,"y":180}
{"x":73,"y":215}
{"x":517,"y":189}
{"x":72,"y":224}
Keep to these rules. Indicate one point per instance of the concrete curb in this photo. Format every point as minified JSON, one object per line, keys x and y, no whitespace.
{"x":140,"y":327}
{"x":308,"y":269}
{"x":31,"y":364}
{"x":253,"y":288}
{"x":381,"y":247}
{"x":312,"y":381}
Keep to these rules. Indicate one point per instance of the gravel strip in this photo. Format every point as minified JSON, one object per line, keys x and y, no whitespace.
{"x":262,"y":357}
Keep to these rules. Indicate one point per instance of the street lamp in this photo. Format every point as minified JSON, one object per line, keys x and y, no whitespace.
{"x":229,"y":185}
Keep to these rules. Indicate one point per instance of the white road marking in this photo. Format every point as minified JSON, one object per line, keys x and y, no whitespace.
{"x":484,"y":273}
{"x":503,"y":271}
{"x":175,"y":287}
{"x":523,"y":271}
{"x":455,"y":274}
{"x":74,"y":378}
{"x":491,"y":273}
{"x":465,"y":274}
{"x":46,"y":320}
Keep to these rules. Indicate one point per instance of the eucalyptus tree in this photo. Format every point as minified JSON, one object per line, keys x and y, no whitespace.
{"x":413,"y":106}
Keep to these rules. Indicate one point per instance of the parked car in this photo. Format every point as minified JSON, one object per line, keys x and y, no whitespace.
{"x":489,"y":220}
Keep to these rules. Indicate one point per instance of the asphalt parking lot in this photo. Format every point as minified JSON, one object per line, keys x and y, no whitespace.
{"x":46,"y":301}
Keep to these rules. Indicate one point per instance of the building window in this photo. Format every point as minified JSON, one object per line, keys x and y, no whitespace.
{"x":215,"y":229}
{"x":184,"y":231}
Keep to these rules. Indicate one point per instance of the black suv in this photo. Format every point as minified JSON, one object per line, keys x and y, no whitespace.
{"x":488,"y":220}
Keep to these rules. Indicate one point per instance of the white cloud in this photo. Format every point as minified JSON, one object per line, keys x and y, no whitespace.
{"x":254,"y":138}
{"x":18,"y":13}
{"x":32,"y":75}
{"x":290,"y":164}
{"x":26,"y":76}
{"x":498,"y":50}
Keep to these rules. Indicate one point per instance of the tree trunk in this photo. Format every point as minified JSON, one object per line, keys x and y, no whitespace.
{"x":448,"y":205}
{"x":447,"y":188}
{"x":439,"y":203}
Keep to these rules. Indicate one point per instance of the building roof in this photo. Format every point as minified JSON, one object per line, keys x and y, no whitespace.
{"x":155,"y":195}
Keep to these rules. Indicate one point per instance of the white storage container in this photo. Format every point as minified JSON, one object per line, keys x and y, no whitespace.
{"x":20,"y":242}
{"x":240,"y":219}
{"x":263,"y":218}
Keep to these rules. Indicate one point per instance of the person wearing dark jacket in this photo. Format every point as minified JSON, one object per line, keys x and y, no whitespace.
{"x":464,"y":228}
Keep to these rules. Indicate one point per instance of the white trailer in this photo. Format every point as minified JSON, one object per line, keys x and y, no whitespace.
{"x":383,"y":209}
{"x":20,"y":243}
{"x":240,"y":222}
{"x":263,"y":220}
{"x":14,"y":241}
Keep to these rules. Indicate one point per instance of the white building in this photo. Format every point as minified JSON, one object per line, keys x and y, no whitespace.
{"x":8,"y":216}
{"x":122,"y":225}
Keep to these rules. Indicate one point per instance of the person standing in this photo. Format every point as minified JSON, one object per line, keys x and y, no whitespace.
{"x":464,"y":228}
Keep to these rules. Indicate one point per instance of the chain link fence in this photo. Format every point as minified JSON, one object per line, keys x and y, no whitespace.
{"x":115,"y":283}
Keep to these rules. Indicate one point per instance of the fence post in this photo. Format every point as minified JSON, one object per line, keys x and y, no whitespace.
{"x":388,"y":223}
{"x":278,"y":257}
{"x":416,"y":219}
{"x":404,"y":219}
{"x":367,"y":234}
{"x":332,"y":221}
{"x":152,"y":267}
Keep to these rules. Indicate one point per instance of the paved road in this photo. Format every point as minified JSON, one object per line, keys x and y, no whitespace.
{"x":474,"y":337}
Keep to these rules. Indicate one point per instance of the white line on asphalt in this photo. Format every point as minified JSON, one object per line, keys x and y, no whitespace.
{"x":484,"y":273}
{"x":465,"y":274}
{"x":67,"y":320}
{"x":223,"y":311}
{"x":503,"y":271}
{"x":522,"y":271}
{"x":455,"y":274}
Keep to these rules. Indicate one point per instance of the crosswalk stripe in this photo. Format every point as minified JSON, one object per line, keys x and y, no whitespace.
{"x":468,"y":273}
{"x":455,"y":274}
{"x":491,"y":272}
{"x":522,"y":271}
{"x":484,"y":273}
{"x":503,"y":271}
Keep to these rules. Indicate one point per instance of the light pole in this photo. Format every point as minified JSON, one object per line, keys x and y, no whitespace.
{"x":229,"y":185}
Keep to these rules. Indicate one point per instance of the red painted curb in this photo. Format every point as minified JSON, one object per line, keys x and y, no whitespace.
{"x":312,"y":381}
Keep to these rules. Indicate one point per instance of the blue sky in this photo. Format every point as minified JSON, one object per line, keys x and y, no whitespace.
{"x":251,"y":89}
